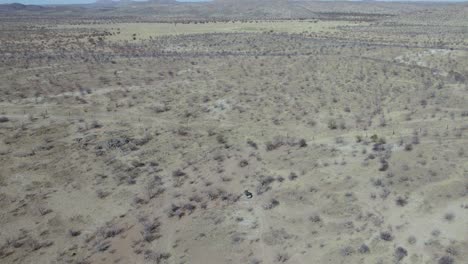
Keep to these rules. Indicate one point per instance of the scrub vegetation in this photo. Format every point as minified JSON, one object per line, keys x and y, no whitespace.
{"x":234,"y":131}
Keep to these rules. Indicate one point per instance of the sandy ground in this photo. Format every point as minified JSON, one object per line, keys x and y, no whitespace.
{"x":352,"y":152}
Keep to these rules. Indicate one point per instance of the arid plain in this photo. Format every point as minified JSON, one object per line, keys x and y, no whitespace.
{"x":234,"y":132}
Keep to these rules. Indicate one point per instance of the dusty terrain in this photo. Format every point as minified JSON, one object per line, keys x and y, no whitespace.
{"x":129,"y":133}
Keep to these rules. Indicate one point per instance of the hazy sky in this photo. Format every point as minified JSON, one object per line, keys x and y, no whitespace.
{"x":56,"y":2}
{"x":45,"y":2}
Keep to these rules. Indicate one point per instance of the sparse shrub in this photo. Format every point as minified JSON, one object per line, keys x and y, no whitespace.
{"x":44,"y":211}
{"x":156,"y":257}
{"x":142,"y":141}
{"x":137,"y":164}
{"x":4,"y":119}
{"x":339,"y":140}
{"x":385,"y":193}
{"x":386,"y":236}
{"x":271,"y":204}
{"x":302,"y":143}
{"x":178,"y":173}
{"x":95,"y":124}
{"x":179,"y":178}
{"x":160,"y":108}
{"x":255,"y":261}
{"x":154,"y":187}
{"x":183,"y":131}
{"x":408,"y":147}
{"x":382,"y":141}
{"x":346,"y":251}
{"x":189,"y":207}
{"x":292,"y":176}
{"x":272,"y":145}
{"x":103,"y":245}
{"x":423,"y":103}
{"x":243,"y":163}
{"x":400,"y":201}
{"x":237,"y":238}
{"x":176,"y":211}
{"x":449,"y":217}
{"x":102,"y":194}
{"x":151,"y":230}
{"x":110,"y":230}
{"x":363,"y":249}
{"x":377,"y":182}
{"x":452,"y":251}
{"x":219,"y":157}
{"x":400,"y":253}
{"x":211,"y":132}
{"x":379,"y":145}
{"x":315,"y":218}
{"x":281,"y":258}
{"x":252,"y":144}
{"x":358,"y":139}
{"x":384,"y":165}
{"x":264,"y":185}
{"x":446,"y":260}
{"x":312,"y":123}
{"x":221,"y":139}
{"x":74,"y":232}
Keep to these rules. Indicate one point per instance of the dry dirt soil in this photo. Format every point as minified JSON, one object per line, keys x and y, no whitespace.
{"x":302,"y":133}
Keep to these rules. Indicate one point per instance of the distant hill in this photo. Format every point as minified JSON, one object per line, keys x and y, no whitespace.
{"x":131,"y":1}
{"x":19,"y":7}
{"x":171,"y":10}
